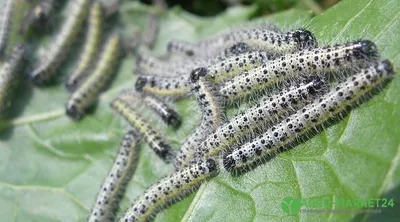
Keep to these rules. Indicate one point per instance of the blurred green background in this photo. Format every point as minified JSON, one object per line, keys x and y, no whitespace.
{"x":265,"y":7}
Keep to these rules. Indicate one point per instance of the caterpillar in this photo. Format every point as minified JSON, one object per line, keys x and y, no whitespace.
{"x":268,"y":110}
{"x":37,"y":16}
{"x":5,"y":24}
{"x":155,"y":66}
{"x":91,"y":45}
{"x":58,"y":49}
{"x":114,"y":184}
{"x":325,"y":59}
{"x":262,"y":39}
{"x":169,"y":190}
{"x":152,"y":65}
{"x":211,"y":110}
{"x":9,"y":74}
{"x":183,"y":47}
{"x":230,"y":67}
{"x":151,"y":136}
{"x":308,"y":118}
{"x":167,"y":114}
{"x":163,"y":86}
{"x":177,"y":85}
{"x":87,"y":94}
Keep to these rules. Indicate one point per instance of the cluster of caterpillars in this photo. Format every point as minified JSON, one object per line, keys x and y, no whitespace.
{"x":97,"y":60}
{"x":285,"y":76}
{"x":294,"y":86}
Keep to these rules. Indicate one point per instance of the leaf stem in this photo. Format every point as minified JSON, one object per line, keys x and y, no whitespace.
{"x":32,"y":119}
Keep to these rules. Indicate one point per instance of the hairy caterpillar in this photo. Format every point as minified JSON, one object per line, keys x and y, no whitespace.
{"x":8,"y":74}
{"x":183,"y":47}
{"x":170,"y":189}
{"x":114,"y":184}
{"x":268,"y":110}
{"x":323,"y":59}
{"x":163,"y":86}
{"x":5,"y":24}
{"x":232,"y":66}
{"x":154,"y":66}
{"x":211,"y":110}
{"x":58,"y":49}
{"x":178,"y":85}
{"x":263,"y":39}
{"x":88,"y":92}
{"x":167,"y":114}
{"x":38,"y":15}
{"x":309,"y":117}
{"x":91,"y":46}
{"x":151,"y":136}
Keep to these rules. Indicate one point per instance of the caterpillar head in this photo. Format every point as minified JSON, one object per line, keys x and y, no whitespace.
{"x":73,"y":112}
{"x":41,"y":13}
{"x":172,"y":118}
{"x":386,"y":67}
{"x":197,"y":73}
{"x":305,"y":39}
{"x":140,"y":83}
{"x":211,"y":164}
{"x":228,"y":161}
{"x":317,"y":84}
{"x":239,"y":48}
{"x":37,"y":79}
{"x":166,"y":153}
{"x":366,"y":49}
{"x":71,"y":85}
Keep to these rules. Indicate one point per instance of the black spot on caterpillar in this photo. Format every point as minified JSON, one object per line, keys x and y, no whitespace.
{"x":308,"y":118}
{"x":114,"y":185}
{"x":211,"y":109}
{"x":325,"y":59}
{"x":88,"y":92}
{"x":9,"y":75}
{"x":258,"y":117}
{"x":5,"y":24}
{"x":169,"y":190}
{"x":91,"y":47}
{"x":58,"y":49}
{"x":150,"y":135}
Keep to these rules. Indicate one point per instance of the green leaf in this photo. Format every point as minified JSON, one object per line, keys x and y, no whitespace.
{"x":51,"y":168}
